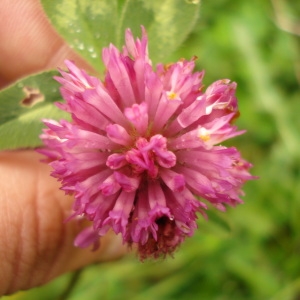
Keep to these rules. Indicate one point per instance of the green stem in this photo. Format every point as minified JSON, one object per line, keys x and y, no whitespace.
{"x":70,"y":287}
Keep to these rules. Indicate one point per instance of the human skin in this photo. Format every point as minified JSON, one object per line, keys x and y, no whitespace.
{"x":36,"y":245}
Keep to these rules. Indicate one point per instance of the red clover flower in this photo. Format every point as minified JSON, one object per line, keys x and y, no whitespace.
{"x":143,"y":148}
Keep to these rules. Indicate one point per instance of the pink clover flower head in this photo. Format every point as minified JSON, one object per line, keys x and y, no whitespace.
{"x":143,"y":148}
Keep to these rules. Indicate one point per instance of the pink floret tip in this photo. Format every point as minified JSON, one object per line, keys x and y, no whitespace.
{"x":142,"y":153}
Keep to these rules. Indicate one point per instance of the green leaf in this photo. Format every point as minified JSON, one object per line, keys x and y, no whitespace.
{"x":88,"y":26}
{"x":23,"y":105}
{"x":168,"y":23}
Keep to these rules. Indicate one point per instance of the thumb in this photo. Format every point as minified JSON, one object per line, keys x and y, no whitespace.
{"x":36,"y":245}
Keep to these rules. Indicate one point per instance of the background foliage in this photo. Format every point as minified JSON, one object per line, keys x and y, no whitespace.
{"x":252,"y":251}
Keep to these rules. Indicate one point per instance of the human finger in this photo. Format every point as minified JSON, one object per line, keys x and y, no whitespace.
{"x":29,"y":43}
{"x":36,"y":245}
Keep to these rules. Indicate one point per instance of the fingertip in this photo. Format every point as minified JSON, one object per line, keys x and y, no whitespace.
{"x":29,"y":43}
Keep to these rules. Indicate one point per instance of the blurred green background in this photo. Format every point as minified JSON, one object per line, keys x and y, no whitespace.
{"x":252,"y":251}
